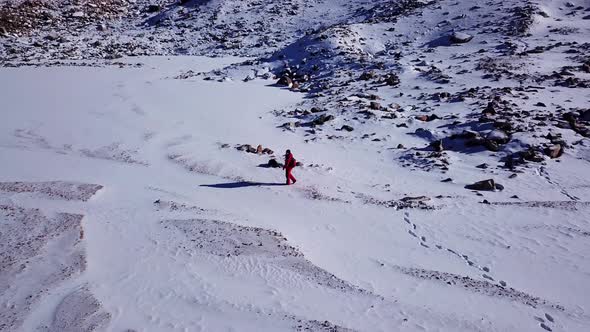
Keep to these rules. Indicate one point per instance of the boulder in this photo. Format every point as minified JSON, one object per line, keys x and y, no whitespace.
{"x":437,"y":145}
{"x":532,"y":155}
{"x":392,"y":80}
{"x":320,"y":120}
{"x":153,"y":8}
{"x":285,"y":81}
{"x":485,"y":185}
{"x":491,"y":145}
{"x":585,"y":115}
{"x":347,"y":128}
{"x":554,"y":151}
{"x":460,"y":37}
{"x":243,"y":147}
{"x":375,"y":105}
{"x":367,"y":75}
{"x":498,"y":136}
{"x":259,"y":149}
{"x":427,"y":118}
{"x":274,"y":163}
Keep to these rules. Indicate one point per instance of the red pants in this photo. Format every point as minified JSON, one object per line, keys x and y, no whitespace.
{"x":289,"y":176}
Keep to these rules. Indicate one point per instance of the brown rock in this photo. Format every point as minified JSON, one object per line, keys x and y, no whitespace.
{"x":375,"y":105}
{"x":285,"y":81}
{"x":437,"y":145}
{"x":274,"y":163}
{"x":554,"y":151}
{"x":392,"y":80}
{"x":367,"y":75}
{"x":485,"y":185}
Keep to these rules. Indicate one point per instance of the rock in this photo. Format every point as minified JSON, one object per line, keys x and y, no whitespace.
{"x":499,"y":136}
{"x":274,"y":163}
{"x":460,"y":37}
{"x":316,"y":110}
{"x":3,"y":31}
{"x":320,"y":120}
{"x":78,"y":14}
{"x":392,"y":80}
{"x":259,"y":149}
{"x":532,"y":155}
{"x":549,"y":318}
{"x":401,"y":146}
{"x":347,"y":128}
{"x":540,"y":104}
{"x":290,"y":125}
{"x":414,"y":199}
{"x":432,"y":117}
{"x":267,"y":151}
{"x":367,"y":75}
{"x":427,"y":118}
{"x":243,"y":147}
{"x":285,"y":81}
{"x":491,"y":145}
{"x":447,"y":180}
{"x":545,"y":327}
{"x":101,"y":27}
{"x":485,"y":185}
{"x":585,"y":115}
{"x":437,"y":145}
{"x":153,"y":8}
{"x":483,"y":166}
{"x":375,"y":105}
{"x":554,"y":151}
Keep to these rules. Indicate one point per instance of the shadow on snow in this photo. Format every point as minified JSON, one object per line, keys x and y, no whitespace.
{"x":241,"y":184}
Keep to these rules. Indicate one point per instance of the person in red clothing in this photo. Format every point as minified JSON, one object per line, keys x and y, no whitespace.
{"x":290,"y":163}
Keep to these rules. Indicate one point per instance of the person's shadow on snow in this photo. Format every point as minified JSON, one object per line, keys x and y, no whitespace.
{"x":241,"y":184}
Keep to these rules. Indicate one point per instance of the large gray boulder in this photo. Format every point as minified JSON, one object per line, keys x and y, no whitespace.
{"x":460,"y":38}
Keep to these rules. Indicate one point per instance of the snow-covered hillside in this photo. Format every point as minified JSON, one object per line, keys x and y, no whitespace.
{"x":444,"y":179}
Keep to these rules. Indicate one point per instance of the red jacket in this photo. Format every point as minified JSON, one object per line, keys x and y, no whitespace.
{"x":289,"y":161}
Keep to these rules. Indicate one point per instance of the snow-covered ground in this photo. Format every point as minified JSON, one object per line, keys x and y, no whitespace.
{"x":129,"y":200}
{"x":187,"y":235}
